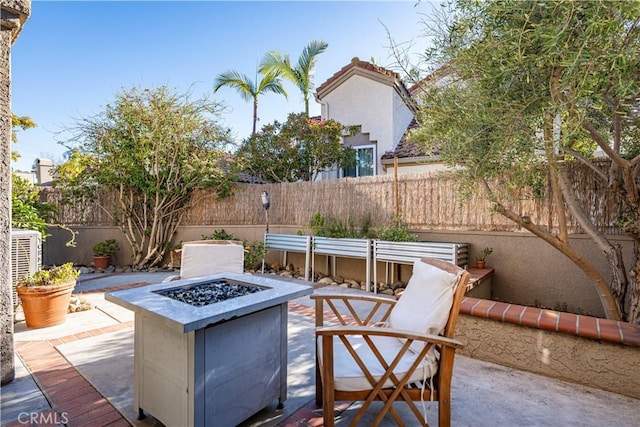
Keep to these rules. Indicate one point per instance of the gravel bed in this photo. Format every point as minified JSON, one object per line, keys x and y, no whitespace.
{"x":209,"y":293}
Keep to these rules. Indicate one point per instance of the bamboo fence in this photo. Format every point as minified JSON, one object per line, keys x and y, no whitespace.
{"x":426,"y":202}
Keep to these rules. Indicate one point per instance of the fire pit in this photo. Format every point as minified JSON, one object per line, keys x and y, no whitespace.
{"x":210,"y":350}
{"x":209,"y":292}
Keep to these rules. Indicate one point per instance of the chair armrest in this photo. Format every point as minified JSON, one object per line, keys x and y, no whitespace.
{"x":376,"y":306}
{"x":357,"y":297}
{"x":388,"y":332}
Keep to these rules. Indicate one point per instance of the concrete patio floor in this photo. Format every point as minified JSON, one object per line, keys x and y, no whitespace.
{"x":81,"y":373}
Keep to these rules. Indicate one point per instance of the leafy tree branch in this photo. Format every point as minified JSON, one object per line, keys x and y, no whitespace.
{"x":151,"y":149}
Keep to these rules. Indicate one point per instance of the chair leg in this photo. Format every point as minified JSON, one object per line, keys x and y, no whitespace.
{"x":328,"y":408}
{"x":444,"y":387}
{"x":318,"y":386}
{"x":444,"y":408}
{"x":327,"y":380}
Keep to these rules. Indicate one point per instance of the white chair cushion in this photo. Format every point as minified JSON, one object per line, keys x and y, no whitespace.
{"x":426,"y":302}
{"x":204,"y":257}
{"x":349,"y":377}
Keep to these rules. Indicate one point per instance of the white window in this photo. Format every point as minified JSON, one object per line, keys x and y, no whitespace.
{"x":365,"y":162}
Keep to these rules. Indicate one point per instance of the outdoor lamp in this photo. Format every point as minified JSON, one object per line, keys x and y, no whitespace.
{"x":266,"y":201}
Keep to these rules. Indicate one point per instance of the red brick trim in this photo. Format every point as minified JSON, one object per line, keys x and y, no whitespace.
{"x":551,"y":320}
{"x":72,"y":397}
{"x":328,"y":316}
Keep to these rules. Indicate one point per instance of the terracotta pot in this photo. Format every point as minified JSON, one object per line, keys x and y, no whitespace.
{"x":479,"y":263}
{"x":101,"y":262}
{"x":45,"y":305}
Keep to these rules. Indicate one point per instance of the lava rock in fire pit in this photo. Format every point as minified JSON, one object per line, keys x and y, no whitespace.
{"x":209,"y":293}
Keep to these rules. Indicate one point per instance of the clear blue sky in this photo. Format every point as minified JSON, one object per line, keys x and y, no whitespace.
{"x":72,"y":58}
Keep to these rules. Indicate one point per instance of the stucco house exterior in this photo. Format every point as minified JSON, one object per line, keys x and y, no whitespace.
{"x":13,"y":14}
{"x":377,"y":101}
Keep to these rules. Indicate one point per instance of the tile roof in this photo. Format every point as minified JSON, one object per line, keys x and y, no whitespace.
{"x":364,"y":65}
{"x":229,"y":159}
{"x":407,"y":149}
{"x":439,"y":74}
{"x":247,"y":178}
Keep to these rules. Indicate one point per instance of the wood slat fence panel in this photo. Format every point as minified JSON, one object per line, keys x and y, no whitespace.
{"x":426,"y":201}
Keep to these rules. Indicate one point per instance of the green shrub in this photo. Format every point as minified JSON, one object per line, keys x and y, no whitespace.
{"x":106,"y":248}
{"x":317,"y":223}
{"x":27,"y":211}
{"x":253,"y":254}
{"x":485,"y":253}
{"x":335,"y":228}
{"x":218,"y":235}
{"x":397,"y":231}
{"x":54,"y":276}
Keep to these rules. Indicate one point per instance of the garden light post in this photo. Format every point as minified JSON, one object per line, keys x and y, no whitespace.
{"x":266,"y":203}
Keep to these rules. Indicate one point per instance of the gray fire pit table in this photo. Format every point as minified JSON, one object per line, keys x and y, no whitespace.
{"x":210,"y":365}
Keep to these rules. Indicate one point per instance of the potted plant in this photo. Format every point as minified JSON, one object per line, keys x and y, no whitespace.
{"x":480,"y":261}
{"x":102,"y":252}
{"x":45,"y":295}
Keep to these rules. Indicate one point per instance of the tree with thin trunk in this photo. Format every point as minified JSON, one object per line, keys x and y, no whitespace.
{"x":249,"y":89}
{"x":141,"y":161}
{"x":532,"y":88}
{"x":301,"y":74}
{"x":296,"y":150}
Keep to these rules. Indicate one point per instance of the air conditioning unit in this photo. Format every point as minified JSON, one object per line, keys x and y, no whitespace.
{"x":26,"y":256}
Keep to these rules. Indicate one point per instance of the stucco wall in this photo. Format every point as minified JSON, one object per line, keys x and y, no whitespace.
{"x":375,"y":106}
{"x":6,"y":324}
{"x":402,"y":117}
{"x":21,"y":6}
{"x":13,"y":14}
{"x":416,"y":168}
{"x":346,"y":102}
{"x":527,"y":270}
{"x":612,"y":367}
{"x":55,"y":252}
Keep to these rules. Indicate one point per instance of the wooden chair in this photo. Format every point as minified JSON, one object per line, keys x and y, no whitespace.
{"x":369,"y":361}
{"x":204,"y":257}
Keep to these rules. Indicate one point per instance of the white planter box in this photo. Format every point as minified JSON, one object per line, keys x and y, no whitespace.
{"x":408,"y":252}
{"x":343,"y":247}
{"x":290,"y":243}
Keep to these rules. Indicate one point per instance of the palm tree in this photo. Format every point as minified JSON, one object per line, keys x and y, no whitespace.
{"x":250,"y":89}
{"x":302,"y":74}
